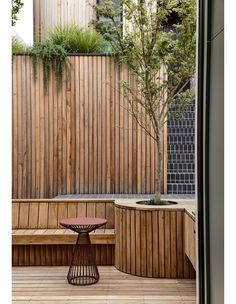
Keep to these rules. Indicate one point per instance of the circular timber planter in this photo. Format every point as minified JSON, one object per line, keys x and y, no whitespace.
{"x":150,"y":240}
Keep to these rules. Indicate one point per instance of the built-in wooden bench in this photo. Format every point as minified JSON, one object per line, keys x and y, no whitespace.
{"x":36,"y":225}
{"x":59,"y":236}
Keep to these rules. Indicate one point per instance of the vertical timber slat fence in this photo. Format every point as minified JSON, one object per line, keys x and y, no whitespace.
{"x":80,"y":139}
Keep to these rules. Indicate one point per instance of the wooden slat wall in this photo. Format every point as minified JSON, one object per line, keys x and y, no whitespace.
{"x":151,"y":243}
{"x":49,"y":14}
{"x":56,"y":255}
{"x":47,"y":214}
{"x":81,"y":140}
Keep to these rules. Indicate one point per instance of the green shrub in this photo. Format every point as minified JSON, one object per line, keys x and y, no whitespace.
{"x":77,"y":40}
{"x":18,"y":46}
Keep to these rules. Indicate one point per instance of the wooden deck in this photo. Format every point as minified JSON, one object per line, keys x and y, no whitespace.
{"x":48,"y":285}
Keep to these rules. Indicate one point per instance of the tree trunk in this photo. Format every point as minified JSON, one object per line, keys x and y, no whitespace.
{"x":158,"y":170}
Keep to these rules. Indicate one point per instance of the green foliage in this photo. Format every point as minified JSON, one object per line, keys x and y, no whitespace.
{"x":146,"y":43}
{"x":53,"y":59}
{"x":77,"y":40}
{"x":16,"y":7}
{"x":143,"y":42}
{"x":152,"y":202}
{"x":59,"y":43}
{"x":18,"y":46}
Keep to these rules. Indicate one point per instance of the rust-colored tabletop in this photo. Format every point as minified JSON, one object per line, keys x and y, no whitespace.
{"x":83,"y":224}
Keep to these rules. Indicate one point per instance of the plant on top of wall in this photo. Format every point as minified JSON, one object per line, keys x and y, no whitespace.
{"x":77,"y":40}
{"x":146,"y":41}
{"x":18,"y":45}
{"x":53,"y":58}
{"x":59,"y":43}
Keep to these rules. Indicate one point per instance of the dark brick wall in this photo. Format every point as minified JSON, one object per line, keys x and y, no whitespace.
{"x":181,"y":156}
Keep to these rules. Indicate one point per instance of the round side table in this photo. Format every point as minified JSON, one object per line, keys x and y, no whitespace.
{"x":83,"y":269}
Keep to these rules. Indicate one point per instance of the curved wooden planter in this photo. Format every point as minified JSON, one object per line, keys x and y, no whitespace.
{"x":150,"y":241}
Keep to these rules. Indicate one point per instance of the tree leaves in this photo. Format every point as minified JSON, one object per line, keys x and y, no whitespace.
{"x":144,"y":41}
{"x":16,"y":7}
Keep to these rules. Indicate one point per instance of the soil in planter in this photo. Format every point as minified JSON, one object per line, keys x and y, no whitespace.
{"x":152,"y":202}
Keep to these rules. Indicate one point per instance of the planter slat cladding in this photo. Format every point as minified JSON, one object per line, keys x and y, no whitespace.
{"x":151,"y":243}
{"x":124,"y":239}
{"x":128,"y":232}
{"x":133,"y":241}
{"x":81,"y":139}
{"x":155,"y":243}
{"x":138,"y":243}
{"x":167,"y":244}
{"x":161,"y":232}
{"x":179,"y":240}
{"x":149,"y":237}
{"x":144,"y":247}
{"x":173,"y":219}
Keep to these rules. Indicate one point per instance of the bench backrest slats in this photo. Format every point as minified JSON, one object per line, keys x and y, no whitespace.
{"x":33,"y":215}
{"x":62,"y":212}
{"x":24,"y":215}
{"x":53,"y":215}
{"x":43,"y":215}
{"x":47,"y":214}
{"x":15,"y":215}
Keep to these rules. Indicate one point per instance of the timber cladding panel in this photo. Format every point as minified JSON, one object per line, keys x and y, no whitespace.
{"x":151,"y":243}
{"x":48,"y":14}
{"x":81,"y":139}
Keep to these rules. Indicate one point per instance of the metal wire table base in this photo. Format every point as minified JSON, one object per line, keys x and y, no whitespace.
{"x":83,"y":269}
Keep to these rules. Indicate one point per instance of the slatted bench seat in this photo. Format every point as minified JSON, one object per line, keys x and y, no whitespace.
{"x":59,"y":236}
